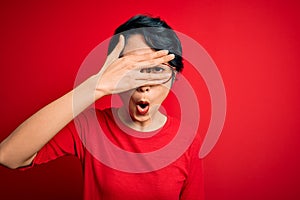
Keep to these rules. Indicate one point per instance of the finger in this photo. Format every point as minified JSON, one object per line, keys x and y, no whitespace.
{"x":149,"y":56}
{"x":154,"y":62}
{"x":151,"y":79}
{"x":135,"y":79}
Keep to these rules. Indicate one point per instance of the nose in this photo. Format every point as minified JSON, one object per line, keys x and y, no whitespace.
{"x":145,"y":88}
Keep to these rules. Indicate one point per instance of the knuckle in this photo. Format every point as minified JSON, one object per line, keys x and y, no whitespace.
{"x":124,"y":59}
{"x":166,"y":58}
{"x":152,"y":62}
{"x":154,"y":55}
{"x":158,"y":53}
{"x":133,"y":65}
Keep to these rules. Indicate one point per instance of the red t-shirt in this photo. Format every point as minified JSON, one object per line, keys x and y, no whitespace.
{"x":115,"y":164}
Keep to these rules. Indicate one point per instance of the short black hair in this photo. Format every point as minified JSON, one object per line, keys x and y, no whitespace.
{"x":157,"y":33}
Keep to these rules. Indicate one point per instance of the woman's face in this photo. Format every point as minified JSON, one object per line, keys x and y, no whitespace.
{"x":143,"y":103}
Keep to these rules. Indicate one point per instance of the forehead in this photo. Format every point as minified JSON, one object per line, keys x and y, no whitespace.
{"x":137,"y":45}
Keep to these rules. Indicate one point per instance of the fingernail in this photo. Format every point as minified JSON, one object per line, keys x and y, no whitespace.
{"x":165,"y":51}
{"x":171,"y":56}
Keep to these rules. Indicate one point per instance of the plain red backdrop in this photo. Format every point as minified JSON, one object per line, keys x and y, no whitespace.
{"x":254,"y":44}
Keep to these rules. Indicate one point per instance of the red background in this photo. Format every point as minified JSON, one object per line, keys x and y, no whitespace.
{"x":254,"y":44}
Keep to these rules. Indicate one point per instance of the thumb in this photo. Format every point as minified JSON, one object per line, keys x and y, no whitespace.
{"x":114,"y":55}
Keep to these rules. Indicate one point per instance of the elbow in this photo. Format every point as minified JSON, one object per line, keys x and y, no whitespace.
{"x":10,"y":165}
{"x":6,"y":161}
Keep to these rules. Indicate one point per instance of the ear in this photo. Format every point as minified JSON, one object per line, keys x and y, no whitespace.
{"x":173,"y":79}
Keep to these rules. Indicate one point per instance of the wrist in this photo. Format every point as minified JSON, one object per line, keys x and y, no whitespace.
{"x":98,"y":91}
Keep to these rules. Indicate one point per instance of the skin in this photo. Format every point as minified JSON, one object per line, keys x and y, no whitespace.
{"x":153,"y":94}
{"x":117,"y":75}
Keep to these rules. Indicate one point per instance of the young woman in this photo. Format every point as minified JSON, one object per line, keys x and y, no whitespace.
{"x":144,"y":58}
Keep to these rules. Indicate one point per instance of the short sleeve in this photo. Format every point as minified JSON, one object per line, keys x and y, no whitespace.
{"x":65,"y":142}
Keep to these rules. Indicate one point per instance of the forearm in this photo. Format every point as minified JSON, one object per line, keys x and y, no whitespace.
{"x":20,"y":147}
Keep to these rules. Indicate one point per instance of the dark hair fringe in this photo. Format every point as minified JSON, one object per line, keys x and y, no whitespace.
{"x":157,"y":33}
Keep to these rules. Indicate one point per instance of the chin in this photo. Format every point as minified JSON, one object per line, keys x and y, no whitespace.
{"x":141,"y":118}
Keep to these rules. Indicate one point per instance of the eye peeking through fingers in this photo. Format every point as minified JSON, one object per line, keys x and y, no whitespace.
{"x":161,"y":71}
{"x":154,"y":70}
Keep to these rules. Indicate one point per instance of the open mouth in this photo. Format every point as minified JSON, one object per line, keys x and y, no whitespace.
{"x":142,"y":107}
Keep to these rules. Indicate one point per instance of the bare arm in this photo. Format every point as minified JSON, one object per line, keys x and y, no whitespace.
{"x":21,"y":146}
